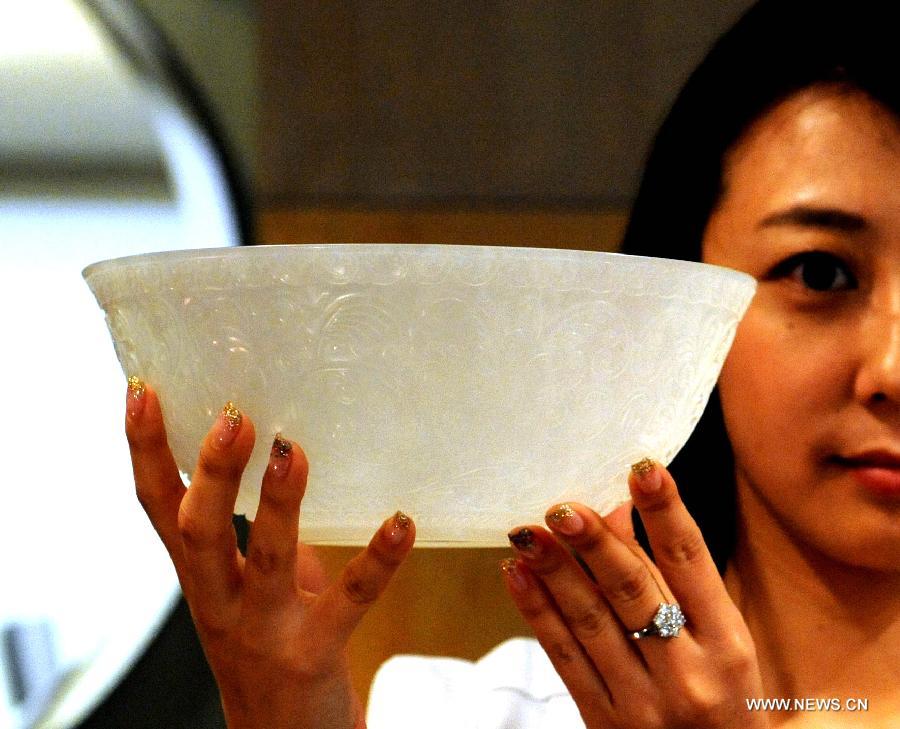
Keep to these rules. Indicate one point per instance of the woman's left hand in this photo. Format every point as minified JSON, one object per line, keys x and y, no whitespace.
{"x":699,"y":678}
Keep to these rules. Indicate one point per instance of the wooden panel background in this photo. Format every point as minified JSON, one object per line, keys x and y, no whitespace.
{"x":542,"y":228}
{"x":413,"y":101}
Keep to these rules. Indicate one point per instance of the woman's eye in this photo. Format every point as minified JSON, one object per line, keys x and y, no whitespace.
{"x":817,"y":271}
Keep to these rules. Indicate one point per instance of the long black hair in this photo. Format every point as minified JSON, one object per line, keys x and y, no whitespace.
{"x":776,"y":49}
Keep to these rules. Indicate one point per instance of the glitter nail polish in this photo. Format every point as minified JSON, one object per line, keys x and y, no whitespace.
{"x":648,"y":475}
{"x":227,"y":425}
{"x":280,"y":456}
{"x":510,"y":568}
{"x":522,"y":539}
{"x":566,"y":520}
{"x":396,"y":528}
{"x":134,"y":401}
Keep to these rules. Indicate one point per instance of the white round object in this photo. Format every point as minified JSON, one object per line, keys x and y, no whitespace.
{"x":471,"y":387}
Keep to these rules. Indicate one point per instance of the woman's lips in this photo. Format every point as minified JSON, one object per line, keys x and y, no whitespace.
{"x":876,"y":471}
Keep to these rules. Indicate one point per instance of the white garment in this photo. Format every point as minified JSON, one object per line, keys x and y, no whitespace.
{"x":513,"y":687}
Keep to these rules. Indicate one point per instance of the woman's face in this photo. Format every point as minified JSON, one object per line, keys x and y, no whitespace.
{"x":811,"y":388}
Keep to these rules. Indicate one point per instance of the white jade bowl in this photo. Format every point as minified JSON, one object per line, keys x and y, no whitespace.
{"x":471,"y":387}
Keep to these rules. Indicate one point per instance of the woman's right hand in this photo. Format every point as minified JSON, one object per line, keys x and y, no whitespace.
{"x":274,"y":635}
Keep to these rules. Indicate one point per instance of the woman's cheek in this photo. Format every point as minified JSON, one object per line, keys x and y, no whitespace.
{"x":780,"y":385}
{"x":764,"y":386}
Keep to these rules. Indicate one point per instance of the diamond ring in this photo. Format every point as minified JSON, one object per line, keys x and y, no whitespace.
{"x":667,"y":623}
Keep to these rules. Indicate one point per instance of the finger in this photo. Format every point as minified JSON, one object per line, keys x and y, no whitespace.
{"x":620,"y":523}
{"x":156,"y":478}
{"x":582,"y":605}
{"x":309,"y":572}
{"x":626,"y":577}
{"x":679,"y":549}
{"x":204,"y":519}
{"x":339,"y":609}
{"x":269,"y":570}
{"x":567,"y":654}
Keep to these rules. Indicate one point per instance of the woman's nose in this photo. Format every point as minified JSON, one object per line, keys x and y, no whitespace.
{"x":878,"y":379}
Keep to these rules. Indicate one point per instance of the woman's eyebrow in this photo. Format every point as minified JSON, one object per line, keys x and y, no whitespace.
{"x":805,"y":216}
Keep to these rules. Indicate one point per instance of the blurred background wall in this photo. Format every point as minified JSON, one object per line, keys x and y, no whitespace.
{"x":501,"y":122}
{"x":219,"y":42}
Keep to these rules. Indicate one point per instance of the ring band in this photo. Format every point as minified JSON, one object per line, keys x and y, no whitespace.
{"x":667,"y":623}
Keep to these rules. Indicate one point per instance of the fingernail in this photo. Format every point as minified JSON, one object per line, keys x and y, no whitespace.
{"x":396,"y":528}
{"x":227,"y":425}
{"x":565,"y":520}
{"x":134,"y":401}
{"x":523,"y":540}
{"x":280,"y":456}
{"x":648,"y":476}
{"x":510,"y":568}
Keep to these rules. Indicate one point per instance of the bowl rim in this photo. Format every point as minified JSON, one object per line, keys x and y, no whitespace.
{"x":434,"y":249}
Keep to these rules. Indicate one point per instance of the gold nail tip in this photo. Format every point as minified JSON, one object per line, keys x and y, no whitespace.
{"x":560,"y":513}
{"x":281,"y":446}
{"x":401,"y":520}
{"x":232,"y":414}
{"x":136,"y":386}
{"x":508,"y":565}
{"x":642,"y":467}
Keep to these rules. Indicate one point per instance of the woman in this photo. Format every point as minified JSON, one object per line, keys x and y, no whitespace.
{"x":781,"y":158}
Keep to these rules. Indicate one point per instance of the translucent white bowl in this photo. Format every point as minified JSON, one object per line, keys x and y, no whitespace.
{"x":471,"y":387}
